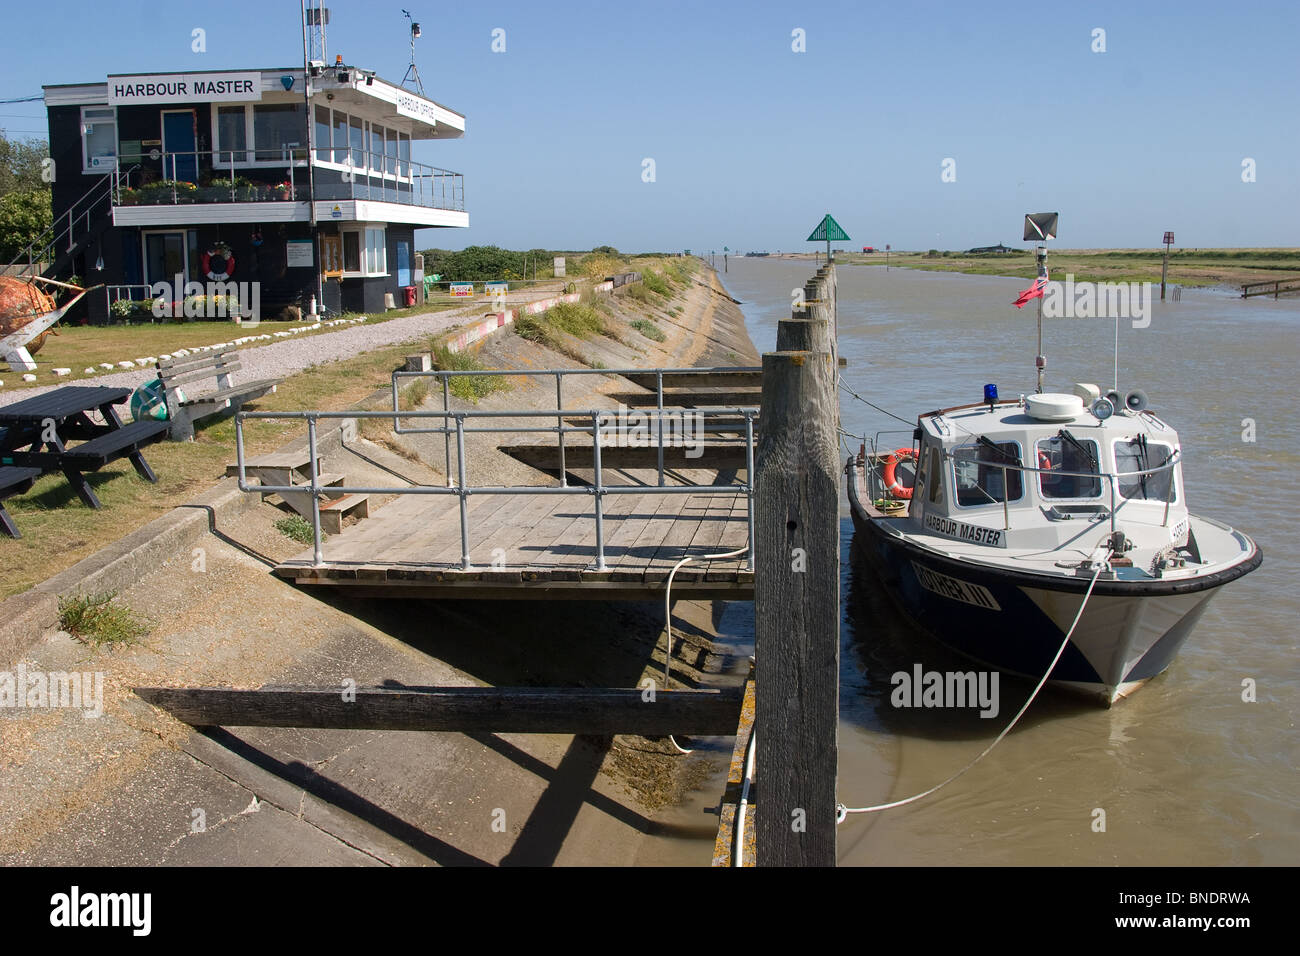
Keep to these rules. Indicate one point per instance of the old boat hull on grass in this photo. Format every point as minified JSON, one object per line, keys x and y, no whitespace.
{"x":1129,"y":632}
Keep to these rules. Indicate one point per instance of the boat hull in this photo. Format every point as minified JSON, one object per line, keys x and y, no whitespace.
{"x":1129,"y":632}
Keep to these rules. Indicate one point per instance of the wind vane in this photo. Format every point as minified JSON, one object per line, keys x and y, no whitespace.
{"x":828,"y":230}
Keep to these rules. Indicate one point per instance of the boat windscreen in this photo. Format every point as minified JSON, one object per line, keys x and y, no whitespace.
{"x":1065,"y":453}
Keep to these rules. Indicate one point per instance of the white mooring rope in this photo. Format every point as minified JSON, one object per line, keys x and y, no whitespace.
{"x":842,"y":812}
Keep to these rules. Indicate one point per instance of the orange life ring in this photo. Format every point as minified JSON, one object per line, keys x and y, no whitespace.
{"x":230,"y":263}
{"x":1044,"y":462}
{"x":890,"y":476}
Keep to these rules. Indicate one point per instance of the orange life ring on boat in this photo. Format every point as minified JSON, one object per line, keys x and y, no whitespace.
{"x":1044,"y":462}
{"x":890,"y":476}
{"x":220,"y":252}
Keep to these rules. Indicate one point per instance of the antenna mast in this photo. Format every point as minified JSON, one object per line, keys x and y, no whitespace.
{"x":413,"y":71}
{"x":315,"y":18}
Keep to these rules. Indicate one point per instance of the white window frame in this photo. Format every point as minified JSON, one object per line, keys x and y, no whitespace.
{"x":102,"y":170}
{"x":367,"y":170}
{"x":250,"y":149}
{"x":363,"y":229}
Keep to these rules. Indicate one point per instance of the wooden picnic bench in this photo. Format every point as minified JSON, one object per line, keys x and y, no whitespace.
{"x":183,"y":411}
{"x":36,"y":432}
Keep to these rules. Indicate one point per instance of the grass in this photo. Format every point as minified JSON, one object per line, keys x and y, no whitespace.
{"x":469,"y":388}
{"x":648,"y":329}
{"x":298,"y":528}
{"x":58,"y":530}
{"x":656,"y":283}
{"x":574,"y":318}
{"x":1187,"y":267}
{"x":99,"y":620}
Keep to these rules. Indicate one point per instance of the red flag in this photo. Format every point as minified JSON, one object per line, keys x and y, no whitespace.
{"x":1033,"y":292}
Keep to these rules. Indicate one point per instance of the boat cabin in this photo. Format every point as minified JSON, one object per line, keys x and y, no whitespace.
{"x":1037,"y":472}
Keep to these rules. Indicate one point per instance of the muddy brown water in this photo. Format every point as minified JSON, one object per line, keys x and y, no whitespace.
{"x":1186,"y":771}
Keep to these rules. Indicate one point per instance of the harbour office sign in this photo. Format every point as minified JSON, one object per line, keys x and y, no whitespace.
{"x":183,"y":88}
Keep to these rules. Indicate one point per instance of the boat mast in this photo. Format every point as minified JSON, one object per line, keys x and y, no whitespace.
{"x":1040,"y":360}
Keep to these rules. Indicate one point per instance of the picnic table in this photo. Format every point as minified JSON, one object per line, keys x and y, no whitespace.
{"x":35,"y":432}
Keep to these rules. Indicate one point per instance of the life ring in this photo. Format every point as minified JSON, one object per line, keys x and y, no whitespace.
{"x":221,"y":253}
{"x":1044,"y":462}
{"x":890,"y":476}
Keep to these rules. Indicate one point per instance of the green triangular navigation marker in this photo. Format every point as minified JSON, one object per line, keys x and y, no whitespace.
{"x":828,"y":230}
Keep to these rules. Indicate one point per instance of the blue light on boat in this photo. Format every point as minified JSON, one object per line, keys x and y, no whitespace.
{"x":990,"y":394}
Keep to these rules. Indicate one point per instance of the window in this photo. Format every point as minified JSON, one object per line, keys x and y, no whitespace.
{"x":980,"y":477}
{"x":1137,"y":454}
{"x":232,"y":133}
{"x":277,"y":130}
{"x":340,"y":137}
{"x":935,"y":476}
{"x":351,"y":252}
{"x":357,"y":137}
{"x":376,"y":252}
{"x":390,"y":151}
{"x":322,"y":133}
{"x":404,"y":154}
{"x":376,"y":158}
{"x":1064,"y":452}
{"x":98,"y":139}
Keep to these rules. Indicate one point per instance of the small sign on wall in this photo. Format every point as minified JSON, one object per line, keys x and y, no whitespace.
{"x":463,"y":290}
{"x":299,"y":255}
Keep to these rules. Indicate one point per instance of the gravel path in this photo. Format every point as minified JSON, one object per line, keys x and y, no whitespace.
{"x":289,"y":356}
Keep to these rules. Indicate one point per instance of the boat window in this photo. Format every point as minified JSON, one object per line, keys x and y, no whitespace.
{"x":979,"y":476}
{"x":1061,"y":454}
{"x":1138,"y":454}
{"x":936,"y":482}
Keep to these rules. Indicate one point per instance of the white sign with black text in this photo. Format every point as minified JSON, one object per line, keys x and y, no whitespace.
{"x":184,"y":88}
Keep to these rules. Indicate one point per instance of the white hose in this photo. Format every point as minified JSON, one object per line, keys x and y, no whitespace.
{"x":668,"y":616}
{"x":738,"y":841}
{"x":842,"y":812}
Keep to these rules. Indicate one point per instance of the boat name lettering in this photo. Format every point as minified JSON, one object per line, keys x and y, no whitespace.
{"x":955,"y":588}
{"x":966,"y":532}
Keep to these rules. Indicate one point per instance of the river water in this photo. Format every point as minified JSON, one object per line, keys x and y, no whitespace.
{"x":1185,"y":771}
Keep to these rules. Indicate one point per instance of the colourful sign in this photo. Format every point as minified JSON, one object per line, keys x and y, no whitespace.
{"x":462,"y":289}
{"x":496,"y":288}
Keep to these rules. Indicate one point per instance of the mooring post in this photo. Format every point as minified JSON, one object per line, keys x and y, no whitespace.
{"x":796,"y":609}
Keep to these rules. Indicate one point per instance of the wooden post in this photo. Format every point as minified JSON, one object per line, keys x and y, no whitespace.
{"x":796,"y":609}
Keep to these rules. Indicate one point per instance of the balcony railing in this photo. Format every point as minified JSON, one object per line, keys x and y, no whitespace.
{"x":222,"y":176}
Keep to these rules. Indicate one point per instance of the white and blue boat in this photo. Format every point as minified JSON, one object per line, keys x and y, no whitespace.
{"x":1014,"y":507}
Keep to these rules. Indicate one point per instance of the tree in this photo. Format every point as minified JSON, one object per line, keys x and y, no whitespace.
{"x":20,"y":164}
{"x":24,"y":216}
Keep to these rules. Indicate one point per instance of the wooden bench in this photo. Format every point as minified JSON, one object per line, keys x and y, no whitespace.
{"x":184,"y":412}
{"x":14,"y":481}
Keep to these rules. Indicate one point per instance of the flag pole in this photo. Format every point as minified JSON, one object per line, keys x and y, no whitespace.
{"x":1040,"y":361}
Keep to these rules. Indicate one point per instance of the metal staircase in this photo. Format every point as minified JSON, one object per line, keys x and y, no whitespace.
{"x":83,"y":222}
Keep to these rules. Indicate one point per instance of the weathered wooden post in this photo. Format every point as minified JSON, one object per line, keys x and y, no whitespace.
{"x":796,"y":599}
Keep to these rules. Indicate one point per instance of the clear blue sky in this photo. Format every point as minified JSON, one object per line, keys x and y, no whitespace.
{"x":753,"y":142}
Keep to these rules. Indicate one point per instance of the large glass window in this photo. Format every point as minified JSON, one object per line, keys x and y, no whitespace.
{"x":1137,"y":454}
{"x":340,"y":137}
{"x":357,"y":137}
{"x":277,"y":130}
{"x":376,"y":252}
{"x":98,"y":139}
{"x":232,"y":134}
{"x":1062,"y":453}
{"x":404,"y":154}
{"x":351,"y":252}
{"x":390,"y":151}
{"x":322,"y":133}
{"x":376,"y":148}
{"x":980,"y":480}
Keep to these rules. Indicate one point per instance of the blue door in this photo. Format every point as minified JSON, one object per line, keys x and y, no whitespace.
{"x":403,"y":263}
{"x":180,"y":162}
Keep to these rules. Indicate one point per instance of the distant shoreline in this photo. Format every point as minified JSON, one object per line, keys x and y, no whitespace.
{"x":1198,"y":268}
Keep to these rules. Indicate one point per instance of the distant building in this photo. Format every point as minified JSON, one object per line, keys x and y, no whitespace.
{"x":245,"y":175}
{"x":997,"y":248}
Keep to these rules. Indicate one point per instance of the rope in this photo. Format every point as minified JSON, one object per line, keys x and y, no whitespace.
{"x":738,"y":839}
{"x":842,"y":812}
{"x":668,"y":617}
{"x":884,"y":411}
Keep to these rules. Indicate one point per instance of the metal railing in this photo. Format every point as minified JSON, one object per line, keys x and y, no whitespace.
{"x":227,"y":176}
{"x":558,"y":374}
{"x":1111,"y":479}
{"x":61,"y":237}
{"x":463,"y":490}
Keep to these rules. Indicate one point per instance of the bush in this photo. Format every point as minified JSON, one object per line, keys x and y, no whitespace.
{"x":655,"y":283}
{"x":97,"y":619}
{"x":469,"y":388}
{"x":298,"y":528}
{"x":648,"y":329}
